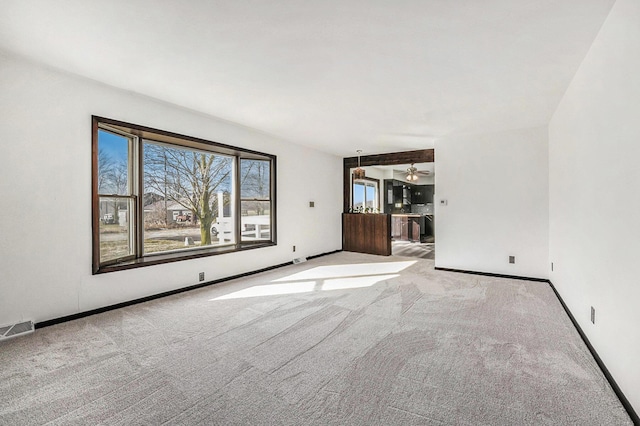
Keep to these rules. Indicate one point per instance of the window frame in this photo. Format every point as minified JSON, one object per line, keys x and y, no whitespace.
{"x":136,"y":185}
{"x":254,"y":199}
{"x":131,"y":192}
{"x":366,"y":181}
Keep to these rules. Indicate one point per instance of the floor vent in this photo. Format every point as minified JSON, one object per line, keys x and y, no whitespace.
{"x":15,"y":330}
{"x":299,"y":260}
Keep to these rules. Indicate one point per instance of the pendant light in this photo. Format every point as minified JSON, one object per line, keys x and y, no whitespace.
{"x":358,"y":173}
{"x":411,"y":173}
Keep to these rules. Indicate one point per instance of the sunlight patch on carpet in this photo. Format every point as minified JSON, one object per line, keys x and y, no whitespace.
{"x":342,"y":283}
{"x":349,"y":270}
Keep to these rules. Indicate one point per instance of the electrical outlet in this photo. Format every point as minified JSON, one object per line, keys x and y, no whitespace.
{"x":512,"y":259}
{"x":294,"y":248}
{"x":593,"y":315}
{"x":201,"y":276}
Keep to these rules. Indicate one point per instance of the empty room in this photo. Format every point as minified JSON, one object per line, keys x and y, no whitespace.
{"x":330,"y":213}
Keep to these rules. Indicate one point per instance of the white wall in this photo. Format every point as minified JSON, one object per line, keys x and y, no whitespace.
{"x":496,"y":186}
{"x":594,"y":146}
{"x":45,"y":187}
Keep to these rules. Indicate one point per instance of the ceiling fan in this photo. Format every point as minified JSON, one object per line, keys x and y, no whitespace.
{"x":413,"y":174}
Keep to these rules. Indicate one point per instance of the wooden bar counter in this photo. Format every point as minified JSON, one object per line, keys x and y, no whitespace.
{"x":367,"y":233}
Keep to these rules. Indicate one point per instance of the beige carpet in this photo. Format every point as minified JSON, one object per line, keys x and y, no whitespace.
{"x":345,"y":339}
{"x":411,"y":249}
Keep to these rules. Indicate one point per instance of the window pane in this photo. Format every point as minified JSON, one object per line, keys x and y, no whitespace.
{"x":187,"y":198}
{"x":255,"y":221}
{"x":255,"y":179}
{"x":358,"y":195}
{"x":222,"y":229}
{"x":371,"y":196}
{"x":116,"y":239}
{"x":113,"y":163}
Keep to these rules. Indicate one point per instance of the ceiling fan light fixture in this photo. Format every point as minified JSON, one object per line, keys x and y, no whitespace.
{"x":411,"y":173}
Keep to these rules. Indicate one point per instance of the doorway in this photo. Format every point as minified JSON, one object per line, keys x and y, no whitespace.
{"x":407,"y":200}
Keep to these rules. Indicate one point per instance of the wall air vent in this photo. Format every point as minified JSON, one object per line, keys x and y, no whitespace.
{"x":15,"y":330}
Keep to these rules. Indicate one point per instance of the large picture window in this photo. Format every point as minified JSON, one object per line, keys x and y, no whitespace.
{"x":161,"y":197}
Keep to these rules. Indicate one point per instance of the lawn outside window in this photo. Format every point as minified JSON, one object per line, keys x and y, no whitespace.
{"x":161,"y":197}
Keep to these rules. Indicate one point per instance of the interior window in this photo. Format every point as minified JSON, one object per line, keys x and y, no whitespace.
{"x":365,"y":195}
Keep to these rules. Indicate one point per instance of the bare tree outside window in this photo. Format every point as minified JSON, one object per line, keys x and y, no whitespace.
{"x":105,"y":165}
{"x":190,"y":179}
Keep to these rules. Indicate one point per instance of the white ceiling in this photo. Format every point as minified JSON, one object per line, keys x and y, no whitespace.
{"x":339,"y":75}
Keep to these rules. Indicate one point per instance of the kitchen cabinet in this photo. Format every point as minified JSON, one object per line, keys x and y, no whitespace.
{"x":389,"y":196}
{"x":422,"y":194}
{"x":419,"y":195}
{"x":405,"y":227}
{"x":396,"y":227}
{"x":406,"y":195}
{"x":397,"y":196}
